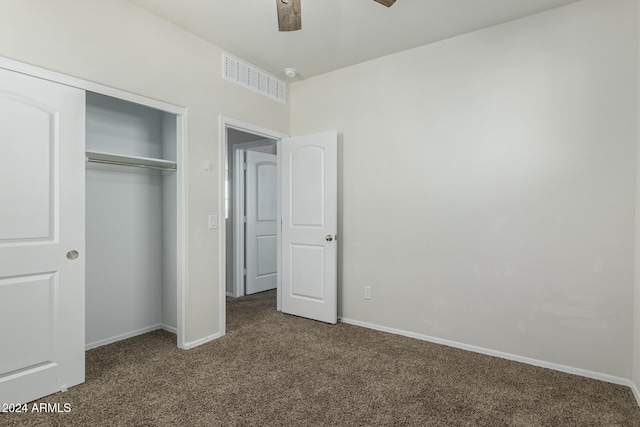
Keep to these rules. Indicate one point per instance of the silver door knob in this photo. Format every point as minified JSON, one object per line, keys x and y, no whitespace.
{"x":328,"y":238}
{"x":73,"y":254}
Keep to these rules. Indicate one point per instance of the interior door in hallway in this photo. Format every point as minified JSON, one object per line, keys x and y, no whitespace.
{"x":261,"y":212}
{"x":41,"y":237}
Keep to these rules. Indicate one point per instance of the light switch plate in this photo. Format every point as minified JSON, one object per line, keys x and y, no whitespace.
{"x":213,"y":221}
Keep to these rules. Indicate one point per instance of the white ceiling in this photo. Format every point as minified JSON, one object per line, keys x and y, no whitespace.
{"x":335,"y":33}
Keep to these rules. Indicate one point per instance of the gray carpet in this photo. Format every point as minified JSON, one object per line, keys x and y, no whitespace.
{"x":273,"y":369}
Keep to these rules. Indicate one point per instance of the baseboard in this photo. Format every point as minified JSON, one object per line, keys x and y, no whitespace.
{"x":502,"y":355}
{"x":121,"y":337}
{"x":196,"y":343}
{"x":635,"y":391}
{"x":229,"y":294}
{"x":169,"y":328}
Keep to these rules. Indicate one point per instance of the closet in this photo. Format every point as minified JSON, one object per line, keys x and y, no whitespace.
{"x":131,"y":220}
{"x":92,"y":231}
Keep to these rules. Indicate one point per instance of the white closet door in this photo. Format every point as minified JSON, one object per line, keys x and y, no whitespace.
{"x":41,"y":237}
{"x":262,"y":231}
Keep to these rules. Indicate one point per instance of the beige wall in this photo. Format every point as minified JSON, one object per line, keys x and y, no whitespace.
{"x":487,"y":185}
{"x":116,"y":44}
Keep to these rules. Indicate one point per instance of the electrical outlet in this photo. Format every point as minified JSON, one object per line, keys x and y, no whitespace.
{"x":367,"y":292}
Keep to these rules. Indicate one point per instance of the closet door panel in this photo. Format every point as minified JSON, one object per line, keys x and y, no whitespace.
{"x":29,"y":131}
{"x":41,"y":237}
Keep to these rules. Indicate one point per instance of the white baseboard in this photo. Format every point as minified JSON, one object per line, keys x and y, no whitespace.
{"x":229,"y":294}
{"x":162,"y":326}
{"x":502,"y":355}
{"x":635,"y":391}
{"x":196,"y":343}
{"x":131,"y":334}
{"x":169,"y":328}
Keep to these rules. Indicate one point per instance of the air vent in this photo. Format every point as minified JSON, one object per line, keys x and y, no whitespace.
{"x":249,"y":76}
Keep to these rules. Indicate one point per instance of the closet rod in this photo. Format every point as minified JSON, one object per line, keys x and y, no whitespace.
{"x":137,"y":165}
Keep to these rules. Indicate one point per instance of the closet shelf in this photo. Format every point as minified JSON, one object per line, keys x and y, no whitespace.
{"x":134,"y":161}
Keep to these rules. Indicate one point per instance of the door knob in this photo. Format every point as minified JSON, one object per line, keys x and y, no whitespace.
{"x":328,"y":238}
{"x":72,"y":255}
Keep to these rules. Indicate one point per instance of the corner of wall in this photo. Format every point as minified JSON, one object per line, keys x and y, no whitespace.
{"x":290,"y":90}
{"x":635,"y":392}
{"x":635,"y":368}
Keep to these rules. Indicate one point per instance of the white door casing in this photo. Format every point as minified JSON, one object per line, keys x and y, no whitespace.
{"x":261,"y":211}
{"x":41,"y":237}
{"x":309,"y":225}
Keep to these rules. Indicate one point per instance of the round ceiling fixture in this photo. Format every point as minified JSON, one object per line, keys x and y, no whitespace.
{"x":290,"y":72}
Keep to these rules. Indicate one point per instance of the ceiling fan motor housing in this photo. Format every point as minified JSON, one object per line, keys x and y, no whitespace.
{"x":290,"y":15}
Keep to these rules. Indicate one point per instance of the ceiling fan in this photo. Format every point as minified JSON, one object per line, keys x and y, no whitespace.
{"x":290,"y":18}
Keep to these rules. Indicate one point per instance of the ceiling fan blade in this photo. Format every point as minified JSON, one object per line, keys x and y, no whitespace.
{"x":387,"y":3}
{"x":289,"y":16}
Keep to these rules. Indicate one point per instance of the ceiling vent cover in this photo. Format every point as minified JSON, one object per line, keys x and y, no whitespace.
{"x":249,"y":76}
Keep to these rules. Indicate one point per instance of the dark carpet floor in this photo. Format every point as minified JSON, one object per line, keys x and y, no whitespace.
{"x":273,"y":369}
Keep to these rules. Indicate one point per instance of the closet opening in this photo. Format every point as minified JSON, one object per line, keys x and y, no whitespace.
{"x":132,"y":220}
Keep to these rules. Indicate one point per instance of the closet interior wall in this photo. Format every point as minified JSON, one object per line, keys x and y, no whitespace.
{"x":131,"y":221}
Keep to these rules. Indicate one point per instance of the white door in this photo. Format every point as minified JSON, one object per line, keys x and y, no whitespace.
{"x":261,"y":234}
{"x":41,"y":225}
{"x":309,"y":226}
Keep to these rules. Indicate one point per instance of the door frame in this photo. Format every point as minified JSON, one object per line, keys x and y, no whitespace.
{"x":226,"y":123}
{"x":181,"y":142}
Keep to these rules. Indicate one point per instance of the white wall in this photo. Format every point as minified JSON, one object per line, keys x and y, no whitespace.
{"x":487,"y":185}
{"x":123,"y":254}
{"x":117,"y":44}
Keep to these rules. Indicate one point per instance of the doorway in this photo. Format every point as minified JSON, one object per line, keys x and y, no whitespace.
{"x":241,"y":142}
{"x":306,"y":218}
{"x":250,"y":213}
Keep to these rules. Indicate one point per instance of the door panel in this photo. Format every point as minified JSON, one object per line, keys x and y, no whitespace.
{"x":307,"y":186}
{"x":34,"y":302}
{"x":309,"y":226}
{"x":261,"y":209}
{"x":266,"y":260}
{"x":29,"y":150}
{"x":307,"y":272}
{"x":41,"y":219}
